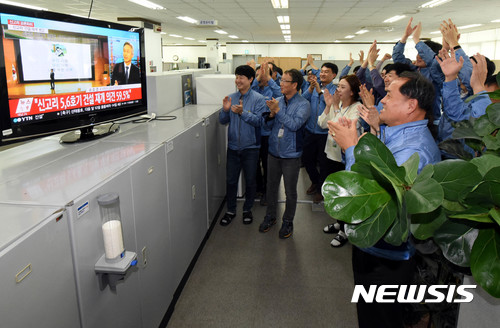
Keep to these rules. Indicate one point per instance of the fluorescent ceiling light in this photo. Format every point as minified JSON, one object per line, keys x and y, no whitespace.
{"x":435,"y":32}
{"x":394,"y":18}
{"x":17,"y":4}
{"x":283,"y":19}
{"x":147,"y":4}
{"x":175,"y":35}
{"x":496,"y":21}
{"x":220,"y":31}
{"x":202,"y":41}
{"x":163,"y":33}
{"x":468,"y":26}
{"x":362,"y":31}
{"x":188,"y":19}
{"x":178,"y":44}
{"x":285,"y":26}
{"x":434,"y":3}
{"x":187,"y":38}
{"x":280,"y":4}
{"x":286,"y":31}
{"x":244,"y":41}
{"x":336,"y":41}
{"x":233,"y":36}
{"x":349,"y":36}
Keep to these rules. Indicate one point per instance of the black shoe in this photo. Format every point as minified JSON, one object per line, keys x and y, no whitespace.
{"x":247,"y":217}
{"x":226,"y":219}
{"x":332,"y":228}
{"x":339,"y":240}
{"x":286,"y":229}
{"x":267,"y":223}
{"x":312,"y":189}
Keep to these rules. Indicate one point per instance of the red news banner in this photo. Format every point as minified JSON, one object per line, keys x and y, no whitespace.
{"x":86,"y":100}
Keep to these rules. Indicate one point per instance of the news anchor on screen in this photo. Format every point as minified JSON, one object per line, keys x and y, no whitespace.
{"x":126,"y":72}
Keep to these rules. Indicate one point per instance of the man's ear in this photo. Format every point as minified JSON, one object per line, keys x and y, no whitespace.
{"x":412,"y":106}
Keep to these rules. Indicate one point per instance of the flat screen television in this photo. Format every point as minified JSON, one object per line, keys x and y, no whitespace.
{"x":61,"y":72}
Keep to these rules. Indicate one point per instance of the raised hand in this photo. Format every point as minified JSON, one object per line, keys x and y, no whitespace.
{"x":273,"y":105}
{"x":328,"y":97}
{"x":408,"y":31}
{"x":372,"y":54}
{"x":336,"y":100}
{"x":386,"y":57}
{"x":417,"y":32}
{"x":450,"y":33}
{"x":226,"y":104}
{"x":344,"y":132}
{"x":366,"y":96}
{"x":361,"y":57}
{"x":351,"y":61}
{"x":479,"y":72}
{"x":449,"y":65}
{"x":371,"y":116}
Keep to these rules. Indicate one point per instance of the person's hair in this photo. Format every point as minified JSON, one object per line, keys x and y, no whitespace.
{"x":245,"y":70}
{"x":491,"y":81}
{"x":356,"y":69}
{"x":490,"y":66}
{"x":419,"y":88}
{"x":331,"y":66}
{"x":397,"y":67}
{"x":435,"y":47}
{"x":354,"y":83}
{"x":279,"y":70}
{"x":296,"y":77}
{"x":128,"y":44}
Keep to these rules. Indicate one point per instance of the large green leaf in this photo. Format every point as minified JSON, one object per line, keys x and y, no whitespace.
{"x":457,"y":177}
{"x":455,"y":241}
{"x":486,"y":193}
{"x":411,"y":167}
{"x":493,"y":111}
{"x":453,"y":206}
{"x":483,"y":126}
{"x":397,"y":185}
{"x":424,"y":196}
{"x":495,"y":214}
{"x":371,"y":149}
{"x":474,"y":213}
{"x":351,"y":197}
{"x":486,"y":163}
{"x":492,"y":142}
{"x":455,"y":148}
{"x":464,"y":130}
{"x":423,"y":225}
{"x":493,"y":174}
{"x":398,"y":232}
{"x":485,"y":261}
{"x":369,"y":232}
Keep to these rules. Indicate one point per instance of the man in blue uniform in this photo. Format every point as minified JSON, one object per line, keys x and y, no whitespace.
{"x":286,"y":120}
{"x":243,"y":111}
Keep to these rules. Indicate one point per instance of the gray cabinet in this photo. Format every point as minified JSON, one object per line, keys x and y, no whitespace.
{"x":104,"y":308}
{"x":216,"y":163}
{"x":37,"y":287}
{"x":150,"y":202}
{"x":186,"y":170}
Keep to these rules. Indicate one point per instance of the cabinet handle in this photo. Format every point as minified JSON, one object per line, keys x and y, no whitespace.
{"x":23,"y":273}
{"x":151,"y":169}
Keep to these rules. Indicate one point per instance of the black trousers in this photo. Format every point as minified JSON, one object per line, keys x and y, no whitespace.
{"x":313,"y":156}
{"x":372,"y":270}
{"x":262,"y":166}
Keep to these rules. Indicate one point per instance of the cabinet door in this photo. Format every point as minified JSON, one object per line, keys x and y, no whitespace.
{"x":216,"y":167}
{"x":37,"y":283}
{"x":107,"y":307}
{"x":186,"y":173}
{"x":149,"y":190}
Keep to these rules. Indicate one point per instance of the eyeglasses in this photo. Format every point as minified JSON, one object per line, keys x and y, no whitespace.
{"x":287,"y":81}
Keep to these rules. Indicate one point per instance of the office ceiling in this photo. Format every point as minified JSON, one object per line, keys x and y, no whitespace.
{"x":310,"y":20}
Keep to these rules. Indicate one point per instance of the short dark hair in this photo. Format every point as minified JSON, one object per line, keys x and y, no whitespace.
{"x":356,"y":69}
{"x":398,"y":68}
{"x":279,"y":70}
{"x":332,"y":66}
{"x":491,"y":80}
{"x":245,"y":70}
{"x":419,"y":88}
{"x":296,"y":77}
{"x":435,"y":47}
{"x":490,"y":66}
{"x":128,"y":44}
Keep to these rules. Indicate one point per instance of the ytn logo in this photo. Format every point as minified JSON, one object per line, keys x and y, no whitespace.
{"x":413,"y":293}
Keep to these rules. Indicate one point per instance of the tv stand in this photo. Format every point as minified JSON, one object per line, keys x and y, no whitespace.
{"x":89,"y":133}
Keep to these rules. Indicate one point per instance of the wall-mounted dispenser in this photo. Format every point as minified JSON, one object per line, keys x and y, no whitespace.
{"x":114,"y":263}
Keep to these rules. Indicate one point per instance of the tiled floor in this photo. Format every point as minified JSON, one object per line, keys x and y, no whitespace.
{"x":244,"y":278}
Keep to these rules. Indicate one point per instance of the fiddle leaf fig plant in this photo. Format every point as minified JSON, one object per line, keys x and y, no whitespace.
{"x":456,"y":202}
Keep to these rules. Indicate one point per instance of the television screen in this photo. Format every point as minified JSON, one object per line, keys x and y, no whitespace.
{"x":59,"y":72}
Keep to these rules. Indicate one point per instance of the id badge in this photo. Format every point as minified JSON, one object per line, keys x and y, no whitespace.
{"x":281,"y":132}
